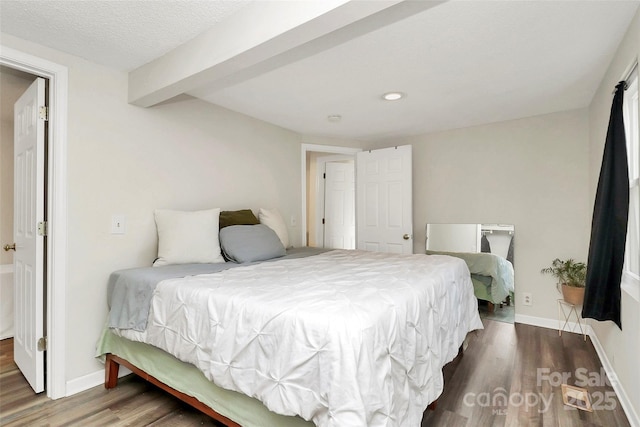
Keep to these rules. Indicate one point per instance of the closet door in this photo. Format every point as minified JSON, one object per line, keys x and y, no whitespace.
{"x":339,"y":206}
{"x":28,"y":260}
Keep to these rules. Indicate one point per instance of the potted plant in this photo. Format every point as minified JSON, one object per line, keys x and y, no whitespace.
{"x":571,"y":277}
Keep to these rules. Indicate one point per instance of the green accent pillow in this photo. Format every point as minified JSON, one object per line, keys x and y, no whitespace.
{"x":240,"y":217}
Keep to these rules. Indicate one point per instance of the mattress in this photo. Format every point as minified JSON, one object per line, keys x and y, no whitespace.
{"x":341,"y":338}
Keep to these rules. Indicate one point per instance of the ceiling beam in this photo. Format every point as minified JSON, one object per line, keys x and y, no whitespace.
{"x":237,"y":48}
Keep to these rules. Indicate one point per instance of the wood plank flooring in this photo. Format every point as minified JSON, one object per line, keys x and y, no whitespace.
{"x":495,"y":383}
{"x":524,"y":364}
{"x":133,"y":402}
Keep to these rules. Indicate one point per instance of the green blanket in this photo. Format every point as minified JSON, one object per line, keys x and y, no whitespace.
{"x":484,"y":264}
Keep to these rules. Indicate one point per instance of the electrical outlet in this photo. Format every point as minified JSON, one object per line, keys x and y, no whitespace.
{"x":117,"y":224}
{"x":527,"y":299}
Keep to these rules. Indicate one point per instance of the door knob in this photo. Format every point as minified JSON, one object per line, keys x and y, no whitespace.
{"x":406,"y":237}
{"x":10,"y":247}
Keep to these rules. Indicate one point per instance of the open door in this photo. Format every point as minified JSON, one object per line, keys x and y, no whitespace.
{"x":384,"y":200}
{"x":29,"y":176}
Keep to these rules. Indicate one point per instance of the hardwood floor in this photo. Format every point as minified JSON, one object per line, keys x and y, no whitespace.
{"x":524,"y":365}
{"x":519,"y":364}
{"x":506,"y":313}
{"x":133,"y":402}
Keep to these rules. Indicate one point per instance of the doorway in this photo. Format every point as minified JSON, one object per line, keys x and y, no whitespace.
{"x":383,"y":197}
{"x":314,"y":161}
{"x":56,"y":197}
{"x":331,"y":198}
{"x":25,"y":243}
{"x":14,"y":83}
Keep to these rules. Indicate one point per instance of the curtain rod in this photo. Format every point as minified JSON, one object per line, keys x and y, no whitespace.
{"x":628,"y":75}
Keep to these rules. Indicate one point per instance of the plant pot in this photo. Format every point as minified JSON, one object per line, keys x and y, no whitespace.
{"x":573,"y":295}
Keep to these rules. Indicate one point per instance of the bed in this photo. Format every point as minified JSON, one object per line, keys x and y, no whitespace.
{"x":492,"y":275}
{"x":328,"y":339}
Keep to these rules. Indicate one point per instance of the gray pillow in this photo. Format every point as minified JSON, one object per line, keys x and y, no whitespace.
{"x":248,"y":243}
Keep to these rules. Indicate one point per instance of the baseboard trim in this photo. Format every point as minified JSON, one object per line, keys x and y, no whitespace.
{"x":632,"y":415}
{"x":543,"y":322}
{"x":88,"y":381}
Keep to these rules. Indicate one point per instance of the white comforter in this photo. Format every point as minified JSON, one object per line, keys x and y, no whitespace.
{"x":346,"y":338}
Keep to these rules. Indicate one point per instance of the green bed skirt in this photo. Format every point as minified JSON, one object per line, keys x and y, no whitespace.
{"x":187,"y":379}
{"x":482,"y":288}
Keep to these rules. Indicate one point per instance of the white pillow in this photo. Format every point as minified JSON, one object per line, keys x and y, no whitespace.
{"x":187,"y":237}
{"x":272,"y":219}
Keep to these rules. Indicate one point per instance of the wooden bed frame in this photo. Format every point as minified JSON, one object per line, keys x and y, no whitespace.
{"x":112,"y":366}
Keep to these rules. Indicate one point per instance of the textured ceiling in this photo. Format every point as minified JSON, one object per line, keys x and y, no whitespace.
{"x":123,"y":34}
{"x":461,"y":63}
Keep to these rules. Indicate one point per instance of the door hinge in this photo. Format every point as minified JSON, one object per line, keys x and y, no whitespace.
{"x":42,"y":344}
{"x":322,"y":220}
{"x":324,"y":176}
{"x":44,"y":113}
{"x":42,"y":228}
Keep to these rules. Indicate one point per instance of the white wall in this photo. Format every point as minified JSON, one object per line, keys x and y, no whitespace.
{"x":6,"y":301}
{"x":531,"y":173}
{"x":622,"y":347}
{"x":312,"y":195}
{"x":129,"y":160}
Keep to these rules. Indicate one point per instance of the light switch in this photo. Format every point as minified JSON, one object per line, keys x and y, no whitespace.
{"x":117,"y":224}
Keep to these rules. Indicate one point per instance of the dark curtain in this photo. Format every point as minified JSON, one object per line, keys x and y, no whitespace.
{"x":485,"y":246}
{"x":510,"y":251}
{"x":609,"y":223}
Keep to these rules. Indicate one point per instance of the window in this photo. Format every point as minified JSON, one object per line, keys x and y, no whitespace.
{"x":631,"y":272}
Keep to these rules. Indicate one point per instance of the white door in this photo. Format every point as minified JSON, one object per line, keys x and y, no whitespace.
{"x":384,"y":208}
{"x":339,"y":206}
{"x":29,"y":134}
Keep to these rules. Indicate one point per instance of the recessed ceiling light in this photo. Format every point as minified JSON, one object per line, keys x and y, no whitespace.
{"x":334,"y":118}
{"x":393,"y":96}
